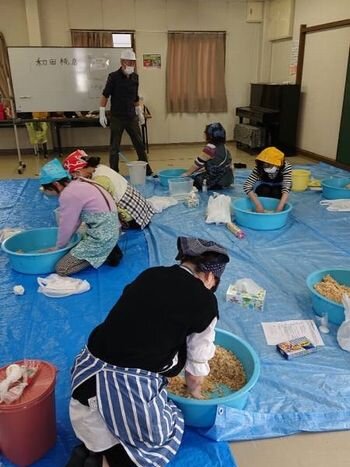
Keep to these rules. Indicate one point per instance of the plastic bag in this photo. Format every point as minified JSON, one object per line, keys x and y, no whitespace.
{"x":159,"y":203}
{"x":247,"y":285}
{"x":18,"y":377}
{"x":336,"y":204}
{"x":343,"y":334}
{"x":219,"y":209}
{"x":57,"y":286}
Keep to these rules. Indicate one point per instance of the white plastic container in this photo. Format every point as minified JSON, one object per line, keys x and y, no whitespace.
{"x":181,"y":187}
{"x":137,"y":172}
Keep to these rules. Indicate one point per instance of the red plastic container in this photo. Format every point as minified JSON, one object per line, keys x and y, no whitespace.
{"x":28,"y":426}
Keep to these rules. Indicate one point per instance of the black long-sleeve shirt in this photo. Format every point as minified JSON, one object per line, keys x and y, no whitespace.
{"x":123,"y":91}
{"x":149,"y":324}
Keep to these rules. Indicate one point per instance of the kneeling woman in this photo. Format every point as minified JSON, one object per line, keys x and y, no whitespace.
{"x":215,"y":163}
{"x":81,"y":201}
{"x":134,"y":210}
{"x":271,"y":177}
{"x":163,"y":322}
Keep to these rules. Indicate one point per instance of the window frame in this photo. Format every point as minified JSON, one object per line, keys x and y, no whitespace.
{"x":112,"y":31}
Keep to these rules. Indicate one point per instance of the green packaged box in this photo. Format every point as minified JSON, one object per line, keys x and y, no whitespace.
{"x":245,"y":299}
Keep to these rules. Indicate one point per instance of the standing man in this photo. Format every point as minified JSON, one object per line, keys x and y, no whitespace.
{"x":122,"y":86}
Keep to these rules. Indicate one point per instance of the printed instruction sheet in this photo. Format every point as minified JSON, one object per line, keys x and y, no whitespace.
{"x":281,"y":331}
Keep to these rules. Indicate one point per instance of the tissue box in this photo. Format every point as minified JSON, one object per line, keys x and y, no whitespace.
{"x":296,"y":347}
{"x":245,"y":299}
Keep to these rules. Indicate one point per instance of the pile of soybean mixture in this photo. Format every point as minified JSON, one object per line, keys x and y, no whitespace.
{"x":331,"y":289}
{"x":226,"y":371}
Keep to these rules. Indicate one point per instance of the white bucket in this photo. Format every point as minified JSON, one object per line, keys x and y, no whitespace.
{"x":137,"y":172}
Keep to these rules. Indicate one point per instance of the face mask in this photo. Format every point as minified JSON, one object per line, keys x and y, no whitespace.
{"x":128,"y":70}
{"x":270,"y":170}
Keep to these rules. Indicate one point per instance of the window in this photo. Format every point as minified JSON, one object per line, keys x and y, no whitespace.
{"x":123,"y":40}
{"x":196,"y":72}
{"x":95,"y":38}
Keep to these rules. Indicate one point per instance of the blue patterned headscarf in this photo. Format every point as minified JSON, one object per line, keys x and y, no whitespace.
{"x":190,"y":246}
{"x":52,"y":172}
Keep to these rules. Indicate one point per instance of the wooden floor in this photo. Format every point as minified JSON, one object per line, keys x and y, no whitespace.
{"x":160,"y":156}
{"x":329,"y":449}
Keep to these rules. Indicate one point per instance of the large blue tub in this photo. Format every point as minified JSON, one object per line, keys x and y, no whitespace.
{"x":167,"y":174}
{"x":322,"y":304}
{"x":334,"y":188}
{"x":22,"y":250}
{"x":245,"y":215}
{"x":202,"y":413}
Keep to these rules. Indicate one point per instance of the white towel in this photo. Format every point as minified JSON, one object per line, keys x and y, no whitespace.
{"x":159,"y":203}
{"x":336,"y":204}
{"x":57,"y":286}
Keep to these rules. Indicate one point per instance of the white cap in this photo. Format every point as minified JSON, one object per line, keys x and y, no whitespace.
{"x":128,"y":54}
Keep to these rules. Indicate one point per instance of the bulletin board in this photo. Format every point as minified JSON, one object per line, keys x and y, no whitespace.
{"x":60,"y":78}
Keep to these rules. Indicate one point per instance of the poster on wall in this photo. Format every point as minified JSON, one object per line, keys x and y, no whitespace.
{"x":294,"y":58}
{"x":151,"y":61}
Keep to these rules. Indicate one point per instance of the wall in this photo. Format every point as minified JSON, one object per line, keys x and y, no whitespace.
{"x":326,"y":56}
{"x":151,"y":19}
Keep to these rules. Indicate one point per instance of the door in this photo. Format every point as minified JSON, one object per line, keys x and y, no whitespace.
{"x":343,"y":151}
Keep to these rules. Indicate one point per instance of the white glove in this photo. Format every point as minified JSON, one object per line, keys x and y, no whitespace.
{"x":140,"y":114}
{"x":103,"y":118}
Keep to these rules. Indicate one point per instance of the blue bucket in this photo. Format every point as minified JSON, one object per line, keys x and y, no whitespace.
{"x":334,"y":188}
{"x":202,"y":413}
{"x":244,"y":215}
{"x":22,"y":250}
{"x":321,"y":304}
{"x":165,"y":175}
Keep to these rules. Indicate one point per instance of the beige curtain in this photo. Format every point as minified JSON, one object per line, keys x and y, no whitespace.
{"x":196,"y":72}
{"x":4,"y":68}
{"x":92,"y":39}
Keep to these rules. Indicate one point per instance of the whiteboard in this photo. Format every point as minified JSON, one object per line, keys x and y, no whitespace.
{"x":60,"y":78}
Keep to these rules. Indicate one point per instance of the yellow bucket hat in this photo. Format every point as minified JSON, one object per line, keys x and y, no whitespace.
{"x":272,"y":156}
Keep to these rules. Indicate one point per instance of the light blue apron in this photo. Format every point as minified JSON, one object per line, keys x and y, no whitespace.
{"x":100,"y":238}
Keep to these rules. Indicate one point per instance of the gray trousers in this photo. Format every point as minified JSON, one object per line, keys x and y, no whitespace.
{"x":131,"y":126}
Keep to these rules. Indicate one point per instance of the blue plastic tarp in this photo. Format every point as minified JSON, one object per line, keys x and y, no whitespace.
{"x":311,"y":393}
{"x":38,"y":327}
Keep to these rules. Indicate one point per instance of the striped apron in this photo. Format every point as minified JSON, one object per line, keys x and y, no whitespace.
{"x":135,"y":407}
